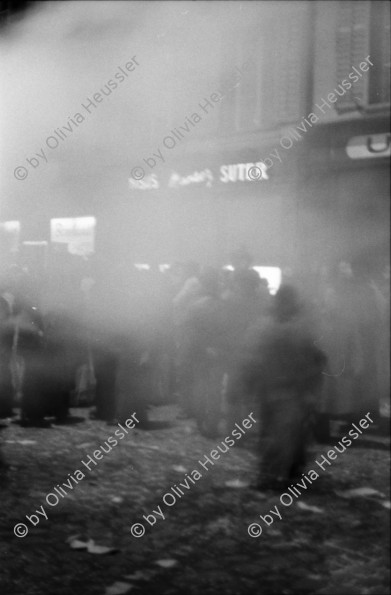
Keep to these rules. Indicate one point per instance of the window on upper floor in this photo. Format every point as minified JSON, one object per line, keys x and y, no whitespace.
{"x":272,"y":90}
{"x":379,"y":89}
{"x":364,"y":30}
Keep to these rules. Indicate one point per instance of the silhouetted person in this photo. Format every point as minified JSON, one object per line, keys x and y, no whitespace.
{"x":30,"y":346}
{"x":188,"y":293}
{"x":206,"y":333}
{"x":102,"y":332}
{"x":284,"y":368}
{"x":64,"y":351}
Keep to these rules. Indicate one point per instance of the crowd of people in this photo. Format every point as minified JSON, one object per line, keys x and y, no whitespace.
{"x":120,"y":340}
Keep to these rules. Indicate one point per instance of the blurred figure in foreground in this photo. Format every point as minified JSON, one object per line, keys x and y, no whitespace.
{"x":284,"y":369}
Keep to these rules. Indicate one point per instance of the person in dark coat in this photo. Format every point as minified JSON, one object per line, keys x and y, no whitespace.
{"x":206,"y":332}
{"x":284,"y":368}
{"x":63,"y":353}
{"x":102,"y":332}
{"x":30,"y":346}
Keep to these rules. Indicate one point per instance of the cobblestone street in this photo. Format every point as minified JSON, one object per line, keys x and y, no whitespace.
{"x":327,"y":541}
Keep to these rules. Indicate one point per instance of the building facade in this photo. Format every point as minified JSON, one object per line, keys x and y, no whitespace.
{"x":302,"y":101}
{"x":311,"y":102}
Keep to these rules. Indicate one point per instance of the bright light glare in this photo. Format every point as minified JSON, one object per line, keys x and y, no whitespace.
{"x":273,"y":275}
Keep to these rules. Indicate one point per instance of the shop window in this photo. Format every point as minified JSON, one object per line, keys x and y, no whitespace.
{"x":76,"y":234}
{"x":10,"y":236}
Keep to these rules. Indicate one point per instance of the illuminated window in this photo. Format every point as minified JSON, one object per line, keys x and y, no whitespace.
{"x":10,"y":232}
{"x":77,"y":232}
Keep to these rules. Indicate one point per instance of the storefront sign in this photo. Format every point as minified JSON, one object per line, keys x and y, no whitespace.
{"x":150,"y":182}
{"x":252,"y":172}
{"x":239,"y":172}
{"x":203,"y":177}
{"x":369,"y":147}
